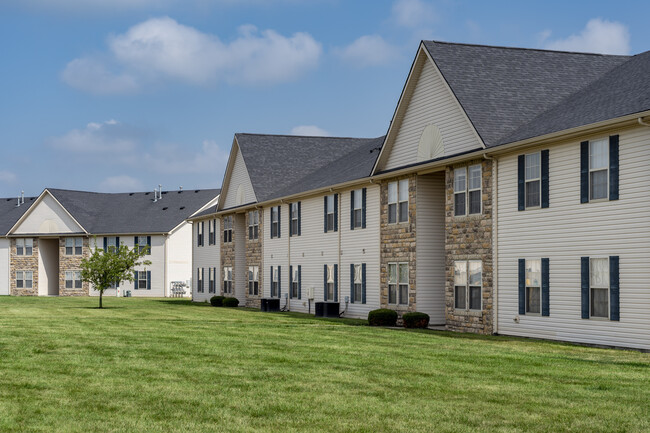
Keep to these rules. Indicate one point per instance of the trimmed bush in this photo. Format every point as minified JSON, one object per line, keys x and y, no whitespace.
{"x":230,"y":302}
{"x":382,"y":317}
{"x":217,"y":301}
{"x":415,"y":320}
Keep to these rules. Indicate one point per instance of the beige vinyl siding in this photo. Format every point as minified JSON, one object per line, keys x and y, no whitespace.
{"x":4,"y":266}
{"x":47,"y":216}
{"x":569,"y":230}
{"x":239,"y":178}
{"x":431,"y":103}
{"x":276,"y":250}
{"x":430,"y":240}
{"x":241,"y":270}
{"x":207,"y":256}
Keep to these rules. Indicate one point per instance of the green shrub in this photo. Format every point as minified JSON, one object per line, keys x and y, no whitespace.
{"x":415,"y":320}
{"x":217,"y":301}
{"x":230,"y":302}
{"x":382,"y":317}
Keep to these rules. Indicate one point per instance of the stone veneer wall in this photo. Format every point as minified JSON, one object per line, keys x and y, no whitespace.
{"x":398,"y":244}
{"x":470,"y":238}
{"x":254,"y":257}
{"x":72,"y":263}
{"x":23,"y":263}
{"x":227,"y":255}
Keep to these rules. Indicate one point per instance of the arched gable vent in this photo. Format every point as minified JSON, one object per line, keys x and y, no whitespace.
{"x":431,"y":145}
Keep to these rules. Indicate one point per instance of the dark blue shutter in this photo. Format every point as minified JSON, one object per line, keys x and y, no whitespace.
{"x":614,"y":313}
{"x":336,"y":212}
{"x":198,"y":238}
{"x":522,"y":286}
{"x":324,"y":282}
{"x":117,"y":243}
{"x":280,"y":220}
{"x":363,"y":283}
{"x":299,"y":282}
{"x":148,"y":280}
{"x":299,"y":218}
{"x":363,"y":208}
{"x":105,"y":243}
{"x":325,"y":214}
{"x":352,"y":283}
{"x":613,"y":167}
{"x":546,"y":310}
{"x":135,"y":243}
{"x":521,"y":182}
{"x":271,"y":280}
{"x":291,"y":233}
{"x":202,"y":233}
{"x":584,"y":177}
{"x":545,"y":180}
{"x":135,"y":277}
{"x":352,"y":210}
{"x":279,"y":281}
{"x":584,"y":286}
{"x":149,"y":244}
{"x":290,"y":281}
{"x":336,"y":283}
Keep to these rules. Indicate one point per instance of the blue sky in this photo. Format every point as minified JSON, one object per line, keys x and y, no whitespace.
{"x":121,"y":95}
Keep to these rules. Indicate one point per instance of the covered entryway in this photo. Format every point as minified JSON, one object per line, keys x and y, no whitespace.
{"x":48,"y":267}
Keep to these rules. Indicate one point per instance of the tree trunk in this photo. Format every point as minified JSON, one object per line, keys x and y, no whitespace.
{"x":101,"y":292}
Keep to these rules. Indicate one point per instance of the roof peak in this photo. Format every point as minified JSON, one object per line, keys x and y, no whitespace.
{"x":525,"y":49}
{"x":131,"y":192}
{"x":307,"y":136}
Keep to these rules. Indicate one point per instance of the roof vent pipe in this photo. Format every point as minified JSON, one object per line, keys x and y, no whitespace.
{"x":21,"y":199}
{"x":159,"y":192}
{"x":155,"y":195}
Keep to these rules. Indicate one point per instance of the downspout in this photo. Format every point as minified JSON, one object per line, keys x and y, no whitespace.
{"x":287,"y":305}
{"x":495,"y":241}
{"x":166,"y":267}
{"x":338,"y":276}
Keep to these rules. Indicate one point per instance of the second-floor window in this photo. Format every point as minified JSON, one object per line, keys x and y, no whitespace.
{"x":598,"y":169}
{"x":253,"y":225}
{"x":143,"y":243}
{"x":275,"y":221}
{"x":212,"y":235}
{"x":294,"y":222}
{"x":331,"y":203}
{"x":358,"y":209}
{"x":398,"y":201}
{"x":467,"y":190}
{"x":227,"y":229}
{"x":73,"y":246}
{"x":111,"y":243}
{"x":24,"y":246}
{"x":533,"y":180}
{"x":200,"y":228}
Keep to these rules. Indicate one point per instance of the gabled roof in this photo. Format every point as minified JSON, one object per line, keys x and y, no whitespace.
{"x":107,"y":213}
{"x":10,"y":212}
{"x":501,"y":89}
{"x":281,"y":165}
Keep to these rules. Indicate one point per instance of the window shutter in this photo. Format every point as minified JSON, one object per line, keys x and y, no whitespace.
{"x":363,"y":208}
{"x":614,"y":313}
{"x":202,"y":233}
{"x":336,"y":212}
{"x":117,"y":243}
{"x":545,"y":180}
{"x":135,"y":278}
{"x":198,"y":238}
{"x":279,"y":281}
{"x":613,"y":167}
{"x":290,"y":281}
{"x":299,"y":282}
{"x":105,"y":243}
{"x":522,"y":286}
{"x":584,"y":177}
{"x":325,"y":214}
{"x":546,"y":310}
{"x":149,"y":244}
{"x":148,"y":280}
{"x":363,"y":283}
{"x":135,"y":242}
{"x":324,"y":282}
{"x":280,"y":221}
{"x":521,"y":182}
{"x":299,"y":218}
{"x":584,"y":286}
{"x":352,"y":210}
{"x":336,"y":283}
{"x":352,"y":283}
{"x":289,"y":219}
{"x":271,"y":280}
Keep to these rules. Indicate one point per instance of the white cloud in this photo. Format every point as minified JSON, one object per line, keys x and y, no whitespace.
{"x":413,"y":13}
{"x":369,"y":50}
{"x":108,"y":137}
{"x":163,"y":48}
{"x":599,"y":36}
{"x":7,"y":176}
{"x":309,"y":130}
{"x":122,"y":183}
{"x":175,"y":159}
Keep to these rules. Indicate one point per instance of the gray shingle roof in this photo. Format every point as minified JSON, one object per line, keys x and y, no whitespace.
{"x":281,"y":165}
{"x":10,"y":213}
{"x":105,"y":213}
{"x":502,"y":88}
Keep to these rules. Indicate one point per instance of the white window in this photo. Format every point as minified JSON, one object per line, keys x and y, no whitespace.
{"x":212,"y":280}
{"x":142,"y":280}
{"x":143,"y":243}
{"x":73,"y":246}
{"x":253,"y":280}
{"x":199,"y":280}
{"x":534,"y":286}
{"x":468,"y":285}
{"x":227,"y":229}
{"x":24,"y":247}
{"x":73,"y":279}
{"x":599,"y":286}
{"x":398,"y":283}
{"x":295,"y":282}
{"x":24,"y":279}
{"x":253,"y":225}
{"x":467,"y":193}
{"x":211,"y":232}
{"x":398,"y":201}
{"x":598,"y":169}
{"x":357,"y":208}
{"x":275,"y":222}
{"x":275,"y":282}
{"x":358,"y":282}
{"x":330,"y":283}
{"x":295,"y":223}
{"x":330,"y":212}
{"x":533,"y":178}
{"x":111,"y":243}
{"x":474,"y":189}
{"x":227,"y":280}
{"x":199,"y":233}
{"x":460,"y":191}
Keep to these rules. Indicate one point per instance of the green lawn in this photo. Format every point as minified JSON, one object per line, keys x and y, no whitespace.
{"x":172,"y":366}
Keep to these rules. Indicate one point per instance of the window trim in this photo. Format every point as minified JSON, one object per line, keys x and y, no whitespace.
{"x":397,"y":284}
{"x":537,"y":179}
{"x":591,"y":288}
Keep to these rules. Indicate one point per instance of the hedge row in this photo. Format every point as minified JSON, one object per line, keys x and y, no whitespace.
{"x":386,"y":317}
{"x":222,"y":301}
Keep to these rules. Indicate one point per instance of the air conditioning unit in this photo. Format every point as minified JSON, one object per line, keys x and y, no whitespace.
{"x":310,"y":293}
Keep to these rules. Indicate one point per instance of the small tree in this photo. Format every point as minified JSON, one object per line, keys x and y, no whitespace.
{"x":105,"y":268}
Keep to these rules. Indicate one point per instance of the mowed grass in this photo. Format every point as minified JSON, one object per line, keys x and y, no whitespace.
{"x":172,"y":366}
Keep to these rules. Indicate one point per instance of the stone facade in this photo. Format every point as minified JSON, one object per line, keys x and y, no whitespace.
{"x":72,"y":263}
{"x":470,"y":238}
{"x":227,"y":255}
{"x":254,"y":257}
{"x":23,"y":263}
{"x":398,"y":245}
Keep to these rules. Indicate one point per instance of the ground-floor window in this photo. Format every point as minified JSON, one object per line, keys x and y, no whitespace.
{"x":358,"y":283}
{"x":468,"y":284}
{"x":199,"y":280}
{"x":275,"y":281}
{"x":331,"y":282}
{"x":212,"y":280}
{"x":73,"y":279}
{"x":142,"y":280}
{"x":227,"y":280}
{"x":599,"y":287}
{"x":398,"y":283}
{"x":534,"y":286}
{"x":253,"y":280}
{"x":24,"y":279}
{"x":295,"y":273}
